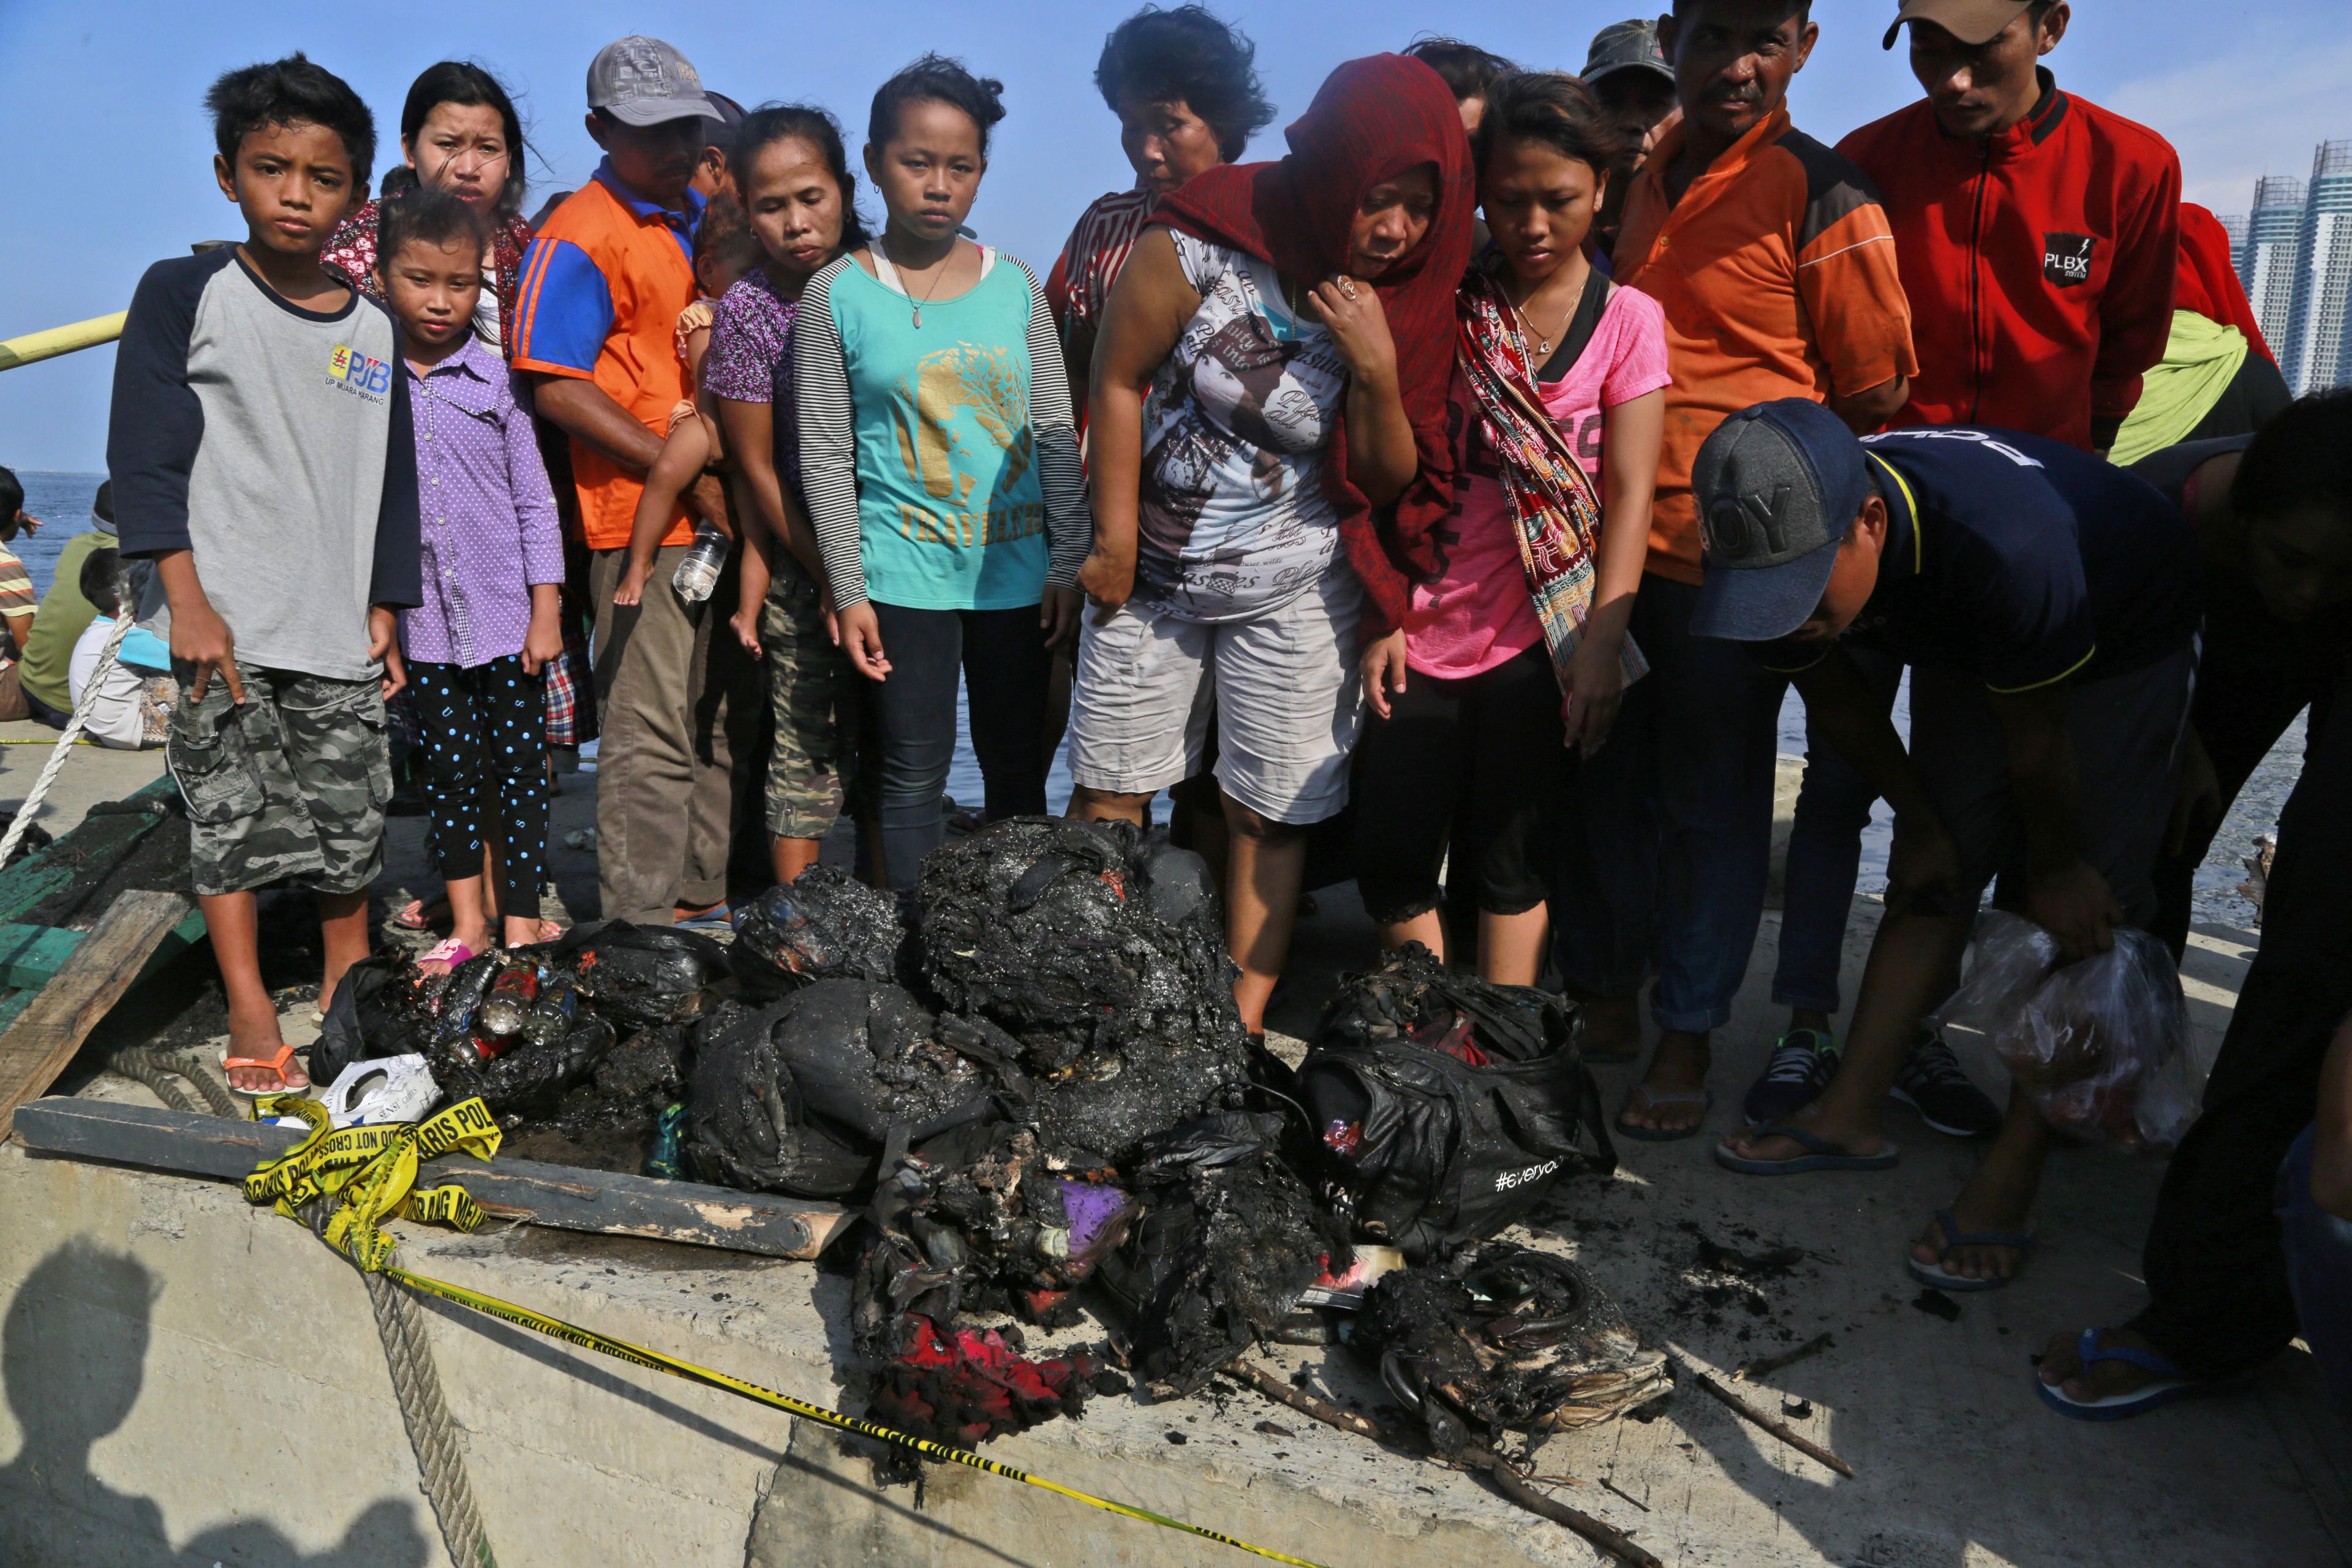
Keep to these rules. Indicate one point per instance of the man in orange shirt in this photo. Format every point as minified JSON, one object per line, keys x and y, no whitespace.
{"x":603,"y":285}
{"x":1775,"y":264}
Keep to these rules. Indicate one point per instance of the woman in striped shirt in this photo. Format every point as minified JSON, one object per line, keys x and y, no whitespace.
{"x":1185,"y":89}
{"x":940,"y":467}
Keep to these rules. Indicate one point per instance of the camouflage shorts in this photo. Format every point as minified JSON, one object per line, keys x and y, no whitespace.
{"x":812,"y":696}
{"x":291,"y":786}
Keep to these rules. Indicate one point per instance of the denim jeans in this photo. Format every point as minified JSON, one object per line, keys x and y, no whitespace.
{"x":1825,"y":855}
{"x":2319,"y":1267}
{"x":1668,"y":828}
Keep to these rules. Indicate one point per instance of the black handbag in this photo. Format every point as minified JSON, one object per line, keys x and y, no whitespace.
{"x":1448,"y":1107}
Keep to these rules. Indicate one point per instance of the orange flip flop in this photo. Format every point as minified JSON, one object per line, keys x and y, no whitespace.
{"x":275,"y":1062}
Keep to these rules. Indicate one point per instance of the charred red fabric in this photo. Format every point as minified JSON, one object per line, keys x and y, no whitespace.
{"x":968,"y":1386}
{"x":2208,"y":283}
{"x":1372,"y":119}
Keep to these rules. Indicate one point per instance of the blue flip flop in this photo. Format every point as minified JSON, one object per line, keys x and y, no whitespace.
{"x":1942,"y":1279}
{"x":1704,"y":1099}
{"x":1821,"y":1155}
{"x":2170,"y":1384}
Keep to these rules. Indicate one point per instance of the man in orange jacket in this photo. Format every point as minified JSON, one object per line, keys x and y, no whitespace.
{"x":2037,"y":236}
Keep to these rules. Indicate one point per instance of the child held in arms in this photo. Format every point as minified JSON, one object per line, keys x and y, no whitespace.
{"x":263,"y":457}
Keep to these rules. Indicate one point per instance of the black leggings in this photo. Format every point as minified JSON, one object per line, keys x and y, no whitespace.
{"x":1002,"y":656}
{"x":483,"y":724}
{"x":1480,"y":761}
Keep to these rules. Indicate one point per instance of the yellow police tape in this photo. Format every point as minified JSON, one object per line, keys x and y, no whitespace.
{"x":368,"y":1175}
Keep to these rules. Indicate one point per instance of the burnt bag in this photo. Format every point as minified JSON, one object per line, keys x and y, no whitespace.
{"x":1447,"y":1108}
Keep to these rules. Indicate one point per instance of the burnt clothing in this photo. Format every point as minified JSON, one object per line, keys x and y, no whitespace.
{"x":2019,"y":560}
{"x":1478,"y":764}
{"x":2219,"y":1300}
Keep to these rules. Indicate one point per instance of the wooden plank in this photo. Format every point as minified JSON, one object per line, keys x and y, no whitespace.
{"x":61,"y":1014}
{"x":560,"y":1196}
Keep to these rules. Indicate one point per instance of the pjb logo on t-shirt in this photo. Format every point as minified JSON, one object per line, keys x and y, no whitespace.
{"x":356,"y":372}
{"x":2066,"y":258}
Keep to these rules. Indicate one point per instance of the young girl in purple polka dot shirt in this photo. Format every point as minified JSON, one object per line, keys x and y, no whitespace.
{"x":493,"y":558}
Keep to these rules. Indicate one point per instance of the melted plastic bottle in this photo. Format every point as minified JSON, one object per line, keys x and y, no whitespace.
{"x":698,"y":574}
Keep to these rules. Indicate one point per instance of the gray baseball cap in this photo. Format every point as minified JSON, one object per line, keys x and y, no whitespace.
{"x":1778,"y":486}
{"x":1626,"y":46}
{"x":643,"y":82}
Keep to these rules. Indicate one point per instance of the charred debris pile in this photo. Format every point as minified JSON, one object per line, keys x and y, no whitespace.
{"x":1032,"y":1081}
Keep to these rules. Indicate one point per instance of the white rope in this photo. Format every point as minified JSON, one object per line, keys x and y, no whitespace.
{"x":81,"y":711}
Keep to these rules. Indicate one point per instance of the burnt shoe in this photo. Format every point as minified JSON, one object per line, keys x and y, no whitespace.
{"x":1932,"y":1084}
{"x":1801,"y":1067}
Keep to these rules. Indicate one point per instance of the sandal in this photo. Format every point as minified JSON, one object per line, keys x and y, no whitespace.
{"x":1703,"y":1099}
{"x":1937,"y":1277}
{"x":448,"y":951}
{"x":2170,"y":1383}
{"x":1821,"y":1154}
{"x":274,"y":1062}
{"x":413,"y":916}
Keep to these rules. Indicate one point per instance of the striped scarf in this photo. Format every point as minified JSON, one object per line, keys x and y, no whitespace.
{"x":1546,"y":494}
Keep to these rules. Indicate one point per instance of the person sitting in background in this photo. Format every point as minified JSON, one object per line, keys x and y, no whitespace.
{"x":2217,"y":378}
{"x":1185,"y":89}
{"x":1514,"y":652}
{"x":724,"y":249}
{"x":2272,"y":513}
{"x":64,"y":612}
{"x":2046,"y":603}
{"x":18,"y":601}
{"x":1629,"y":74}
{"x":133,"y":709}
{"x":1467,"y":70}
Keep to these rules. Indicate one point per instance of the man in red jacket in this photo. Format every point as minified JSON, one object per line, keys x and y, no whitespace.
{"x":2037,"y":236}
{"x":2037,"y":233}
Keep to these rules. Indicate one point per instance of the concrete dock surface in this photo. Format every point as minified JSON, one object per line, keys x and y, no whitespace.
{"x":189,"y":1381}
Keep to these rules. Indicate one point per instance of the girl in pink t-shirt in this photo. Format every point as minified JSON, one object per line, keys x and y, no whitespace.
{"x":1516,"y":650}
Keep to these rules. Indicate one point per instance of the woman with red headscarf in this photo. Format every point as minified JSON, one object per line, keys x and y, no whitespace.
{"x":1270,"y":454}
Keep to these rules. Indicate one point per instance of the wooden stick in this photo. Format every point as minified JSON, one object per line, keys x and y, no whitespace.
{"x":1622,"y":1492}
{"x":1612,"y":1542}
{"x":1766,"y":1365}
{"x":1780,"y":1429}
{"x":1506,"y":1479}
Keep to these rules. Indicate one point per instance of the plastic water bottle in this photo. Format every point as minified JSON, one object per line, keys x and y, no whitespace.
{"x":698,"y":574}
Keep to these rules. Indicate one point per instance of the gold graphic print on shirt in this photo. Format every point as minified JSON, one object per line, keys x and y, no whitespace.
{"x":970,"y":378}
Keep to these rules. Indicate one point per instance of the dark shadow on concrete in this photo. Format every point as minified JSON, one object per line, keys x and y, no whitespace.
{"x":73,"y":1351}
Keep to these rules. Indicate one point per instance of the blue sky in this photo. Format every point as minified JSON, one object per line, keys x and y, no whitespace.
{"x":105,"y":165}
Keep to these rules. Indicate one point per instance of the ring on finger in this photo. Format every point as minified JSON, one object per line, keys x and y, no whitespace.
{"x":1348,"y":287}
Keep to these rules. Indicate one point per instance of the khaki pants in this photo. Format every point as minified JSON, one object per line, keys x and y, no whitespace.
{"x":662,"y":801}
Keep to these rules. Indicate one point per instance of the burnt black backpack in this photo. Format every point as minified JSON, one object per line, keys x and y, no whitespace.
{"x":1447,"y":1108}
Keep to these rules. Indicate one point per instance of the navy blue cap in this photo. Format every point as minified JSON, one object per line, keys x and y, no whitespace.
{"x":1777,"y":486}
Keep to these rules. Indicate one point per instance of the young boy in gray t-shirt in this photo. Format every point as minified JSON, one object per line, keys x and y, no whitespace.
{"x":261,"y":452}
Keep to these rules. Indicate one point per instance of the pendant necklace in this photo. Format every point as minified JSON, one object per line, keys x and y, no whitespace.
{"x":890,"y":275}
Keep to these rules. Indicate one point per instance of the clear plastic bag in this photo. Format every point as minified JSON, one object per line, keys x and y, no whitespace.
{"x":2102,"y":1046}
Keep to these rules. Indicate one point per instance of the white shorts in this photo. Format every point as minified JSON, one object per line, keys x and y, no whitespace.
{"x":1284,"y":686}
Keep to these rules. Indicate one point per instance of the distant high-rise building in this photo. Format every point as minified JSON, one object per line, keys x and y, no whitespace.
{"x":2313,"y":356}
{"x":2234,"y":225}
{"x":2267,"y":255}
